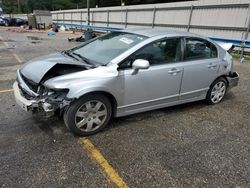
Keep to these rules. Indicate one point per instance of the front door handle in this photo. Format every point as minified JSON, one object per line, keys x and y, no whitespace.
{"x":174,"y":71}
{"x":211,"y":66}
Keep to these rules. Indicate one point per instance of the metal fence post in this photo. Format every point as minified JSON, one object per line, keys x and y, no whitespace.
{"x":248,"y":26}
{"x":92,"y":20}
{"x":88,"y":8}
{"x":126,"y":18}
{"x":246,"y":34}
{"x":190,"y":18}
{"x":57,"y":18}
{"x":63,"y":17}
{"x":107,"y":18}
{"x":81,"y":17}
{"x":71,"y":17}
{"x":153,"y":19}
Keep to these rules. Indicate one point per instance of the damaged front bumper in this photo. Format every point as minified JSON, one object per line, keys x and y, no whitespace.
{"x":24,"y":103}
{"x":36,"y":105}
{"x":31,"y":105}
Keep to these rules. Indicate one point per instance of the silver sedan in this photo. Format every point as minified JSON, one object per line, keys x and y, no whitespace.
{"x":122,"y":73}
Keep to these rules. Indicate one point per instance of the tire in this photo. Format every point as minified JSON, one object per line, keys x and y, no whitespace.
{"x":88,"y":115}
{"x":217,"y":91}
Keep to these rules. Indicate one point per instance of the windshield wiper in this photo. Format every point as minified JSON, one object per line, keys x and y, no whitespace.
{"x":84,"y":59}
{"x":68,"y":53}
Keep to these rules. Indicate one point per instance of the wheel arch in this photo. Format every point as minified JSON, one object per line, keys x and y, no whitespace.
{"x":208,"y":99}
{"x":221,"y":76}
{"x":225,"y":77}
{"x":110,"y":97}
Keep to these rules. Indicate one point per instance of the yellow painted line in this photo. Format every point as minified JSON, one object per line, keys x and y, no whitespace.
{"x":6,"y":44}
{"x":6,"y":91}
{"x":15,"y":55}
{"x":6,"y":57}
{"x":112,"y":175}
{"x":17,"y":58}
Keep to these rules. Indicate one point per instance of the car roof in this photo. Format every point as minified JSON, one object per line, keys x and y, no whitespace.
{"x":149,"y":32}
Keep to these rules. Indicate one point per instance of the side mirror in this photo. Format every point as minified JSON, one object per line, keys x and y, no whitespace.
{"x":139,"y":64}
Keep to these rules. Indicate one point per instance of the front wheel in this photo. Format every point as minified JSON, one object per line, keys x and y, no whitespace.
{"x":88,"y":115}
{"x":217,"y":91}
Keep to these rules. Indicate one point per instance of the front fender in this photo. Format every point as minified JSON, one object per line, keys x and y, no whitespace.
{"x":111,"y":85}
{"x":77,"y":93}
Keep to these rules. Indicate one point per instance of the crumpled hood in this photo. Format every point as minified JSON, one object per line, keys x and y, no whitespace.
{"x":36,"y":68}
{"x":91,"y":75}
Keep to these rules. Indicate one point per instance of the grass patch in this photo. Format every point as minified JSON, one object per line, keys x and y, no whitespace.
{"x":236,"y":56}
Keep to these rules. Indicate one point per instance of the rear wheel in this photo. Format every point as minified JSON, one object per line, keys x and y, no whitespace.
{"x":88,"y":115}
{"x":217,"y":91}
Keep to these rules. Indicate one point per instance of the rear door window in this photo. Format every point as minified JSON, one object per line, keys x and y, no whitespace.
{"x":196,"y":49}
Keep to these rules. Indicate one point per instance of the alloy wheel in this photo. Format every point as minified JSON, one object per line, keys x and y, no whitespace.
{"x":91,"y":115}
{"x":218,"y":92}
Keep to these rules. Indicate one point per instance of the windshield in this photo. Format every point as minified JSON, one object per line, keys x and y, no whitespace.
{"x":105,"y":48}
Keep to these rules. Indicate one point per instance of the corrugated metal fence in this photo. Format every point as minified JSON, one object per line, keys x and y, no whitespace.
{"x":208,"y":17}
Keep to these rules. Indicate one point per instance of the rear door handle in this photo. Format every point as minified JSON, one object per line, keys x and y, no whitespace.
{"x":174,"y":71}
{"x":211,"y":66}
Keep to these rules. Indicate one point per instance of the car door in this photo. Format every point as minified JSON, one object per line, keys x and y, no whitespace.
{"x":200,"y":65}
{"x":156,"y":86}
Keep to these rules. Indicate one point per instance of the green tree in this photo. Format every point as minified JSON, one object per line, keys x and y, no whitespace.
{"x":9,"y":6}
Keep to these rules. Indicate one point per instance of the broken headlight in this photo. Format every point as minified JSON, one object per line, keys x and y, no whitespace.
{"x":53,"y":95}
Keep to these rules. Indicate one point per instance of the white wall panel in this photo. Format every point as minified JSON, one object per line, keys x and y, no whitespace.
{"x":100,"y":16}
{"x":172,"y":16}
{"x":139,"y":17}
{"x":206,"y":20}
